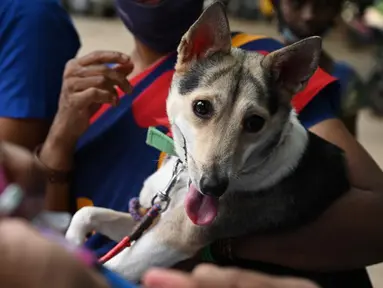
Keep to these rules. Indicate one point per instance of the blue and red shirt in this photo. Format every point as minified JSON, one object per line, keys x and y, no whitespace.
{"x":112,"y":160}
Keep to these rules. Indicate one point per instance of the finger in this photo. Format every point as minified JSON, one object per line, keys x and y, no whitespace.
{"x":124,"y":68}
{"x":161,"y":278}
{"x":103,"y":69}
{"x":77,"y":86}
{"x":104,"y":57}
{"x":70,"y":67}
{"x":119,"y":78}
{"x":91,"y":70}
{"x":81,"y":84}
{"x":93,"y":95}
{"x":212,"y":276}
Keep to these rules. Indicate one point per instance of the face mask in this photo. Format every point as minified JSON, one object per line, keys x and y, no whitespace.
{"x":159,"y":26}
{"x":289,"y":35}
{"x":285,"y":30}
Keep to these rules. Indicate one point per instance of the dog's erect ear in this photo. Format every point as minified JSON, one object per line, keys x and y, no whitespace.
{"x":291,"y":67}
{"x":209,"y":34}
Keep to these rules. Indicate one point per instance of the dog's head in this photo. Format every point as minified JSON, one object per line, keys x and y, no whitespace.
{"x":228,"y":107}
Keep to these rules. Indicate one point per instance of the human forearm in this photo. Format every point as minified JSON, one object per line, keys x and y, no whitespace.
{"x":348,"y":235}
{"x":57,"y":197}
{"x":87,"y":84}
{"x":27,"y":133}
{"x":364,"y":172}
{"x":57,"y":154}
{"x":30,"y":260}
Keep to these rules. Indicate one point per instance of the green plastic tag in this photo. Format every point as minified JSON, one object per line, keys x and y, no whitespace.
{"x":160,"y":141}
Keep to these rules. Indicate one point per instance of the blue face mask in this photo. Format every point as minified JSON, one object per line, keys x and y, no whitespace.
{"x":160,"y":26}
{"x":289,"y":35}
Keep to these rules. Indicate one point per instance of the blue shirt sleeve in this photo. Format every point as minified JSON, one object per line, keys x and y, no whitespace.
{"x":37,"y":38}
{"x":324,"y":106}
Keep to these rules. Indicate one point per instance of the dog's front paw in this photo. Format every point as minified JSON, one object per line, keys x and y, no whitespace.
{"x":80,"y":226}
{"x":74,"y":236}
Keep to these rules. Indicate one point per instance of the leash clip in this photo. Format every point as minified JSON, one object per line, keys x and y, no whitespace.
{"x":163,"y":195}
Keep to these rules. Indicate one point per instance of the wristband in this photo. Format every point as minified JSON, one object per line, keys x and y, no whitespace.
{"x":53,"y":176}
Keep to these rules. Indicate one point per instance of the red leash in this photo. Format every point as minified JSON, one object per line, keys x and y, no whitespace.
{"x":148,"y":219}
{"x":126,"y":242}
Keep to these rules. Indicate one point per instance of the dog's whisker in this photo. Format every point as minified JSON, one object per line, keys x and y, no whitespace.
{"x":194,"y":160}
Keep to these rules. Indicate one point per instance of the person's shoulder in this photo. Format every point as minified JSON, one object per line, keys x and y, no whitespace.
{"x":37,"y":38}
{"x":33,"y":5}
{"x":20,"y":7}
{"x":35,"y":21}
{"x":34,"y":12}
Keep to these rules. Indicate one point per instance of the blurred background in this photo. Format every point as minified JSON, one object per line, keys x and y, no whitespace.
{"x":355,"y":38}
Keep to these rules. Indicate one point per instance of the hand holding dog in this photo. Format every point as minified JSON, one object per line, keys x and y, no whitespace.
{"x":208,"y":276}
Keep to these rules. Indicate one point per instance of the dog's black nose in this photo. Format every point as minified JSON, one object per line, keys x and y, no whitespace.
{"x":214,"y":186}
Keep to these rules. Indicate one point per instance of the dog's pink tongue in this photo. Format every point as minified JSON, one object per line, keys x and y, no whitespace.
{"x":201,"y":209}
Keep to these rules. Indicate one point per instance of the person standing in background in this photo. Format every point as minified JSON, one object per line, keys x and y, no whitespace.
{"x":37,"y":38}
{"x":298,"y":19}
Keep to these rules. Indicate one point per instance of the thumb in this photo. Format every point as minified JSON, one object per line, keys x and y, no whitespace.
{"x":125,"y":68}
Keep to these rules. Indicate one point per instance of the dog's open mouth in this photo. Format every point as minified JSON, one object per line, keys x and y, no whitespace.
{"x":201,"y":209}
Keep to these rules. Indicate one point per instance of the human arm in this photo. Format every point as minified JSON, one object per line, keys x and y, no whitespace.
{"x":24,"y":132}
{"x":208,"y":276}
{"x":28,"y":259}
{"x":88,"y":83}
{"x":37,"y":39}
{"x":348,"y":234}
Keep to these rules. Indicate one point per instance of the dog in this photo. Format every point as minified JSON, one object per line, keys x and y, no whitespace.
{"x":251,"y":167}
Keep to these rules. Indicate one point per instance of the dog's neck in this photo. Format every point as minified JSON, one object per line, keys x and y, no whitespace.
{"x":280,"y":163}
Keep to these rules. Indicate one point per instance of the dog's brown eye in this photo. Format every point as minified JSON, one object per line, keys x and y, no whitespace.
{"x":253,"y":124}
{"x":202,"y":108}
